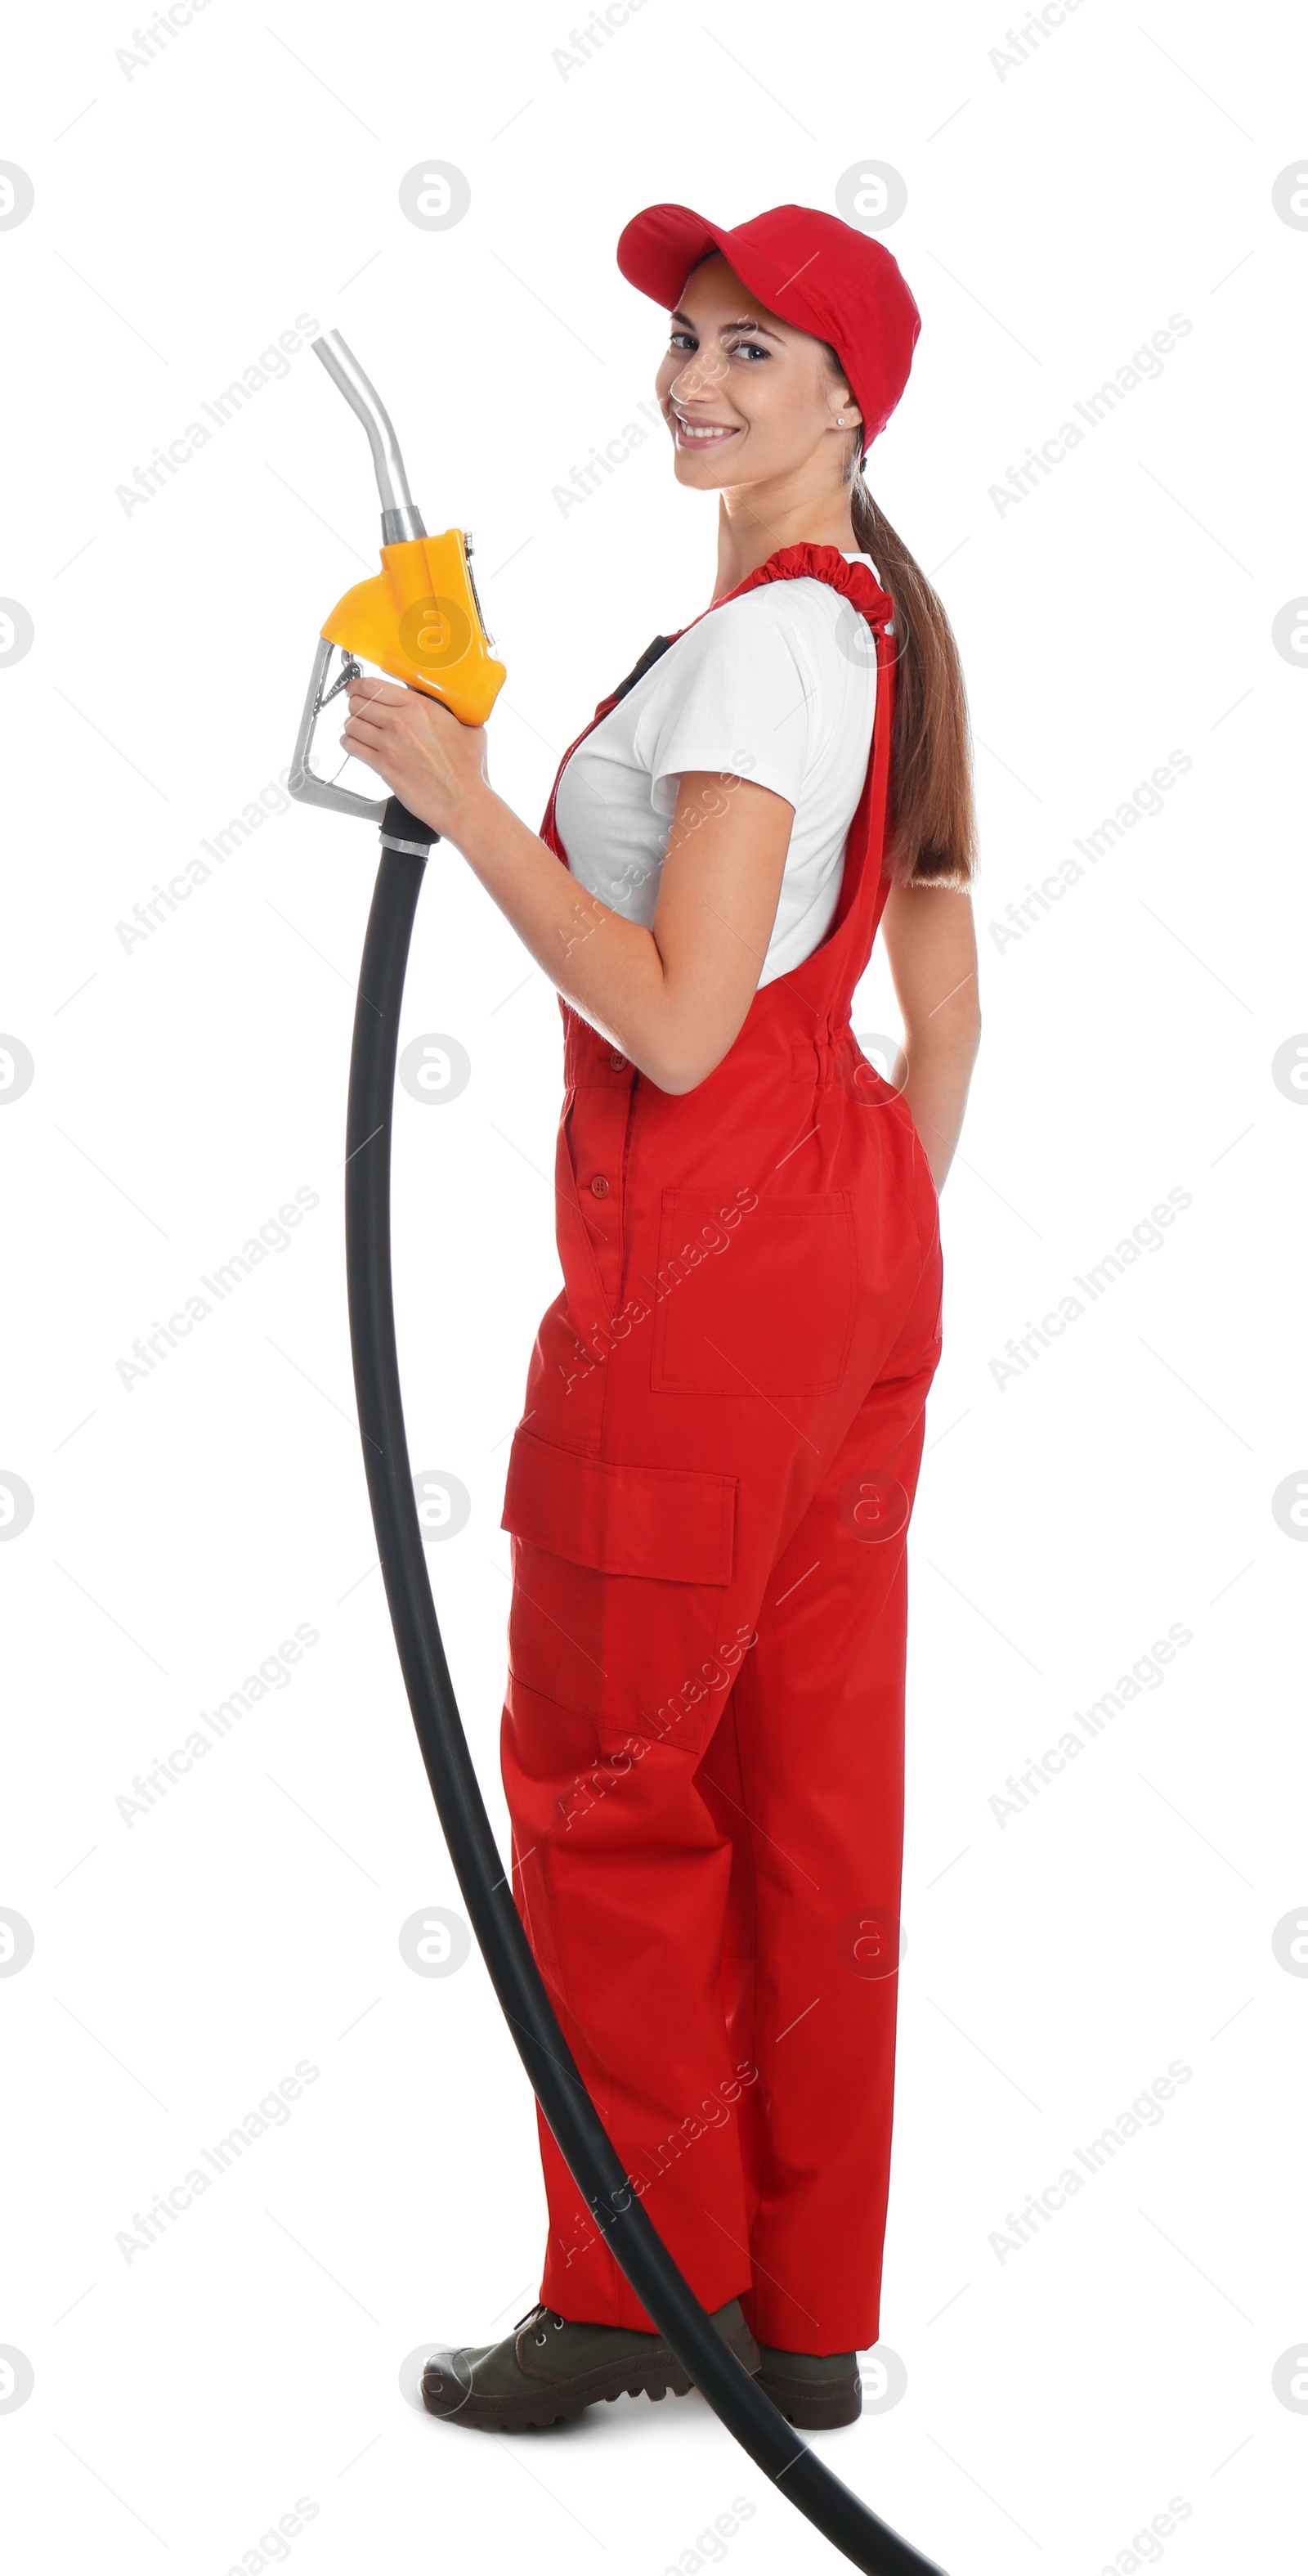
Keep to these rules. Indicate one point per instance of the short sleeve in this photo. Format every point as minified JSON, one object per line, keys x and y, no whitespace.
{"x":733,"y":696}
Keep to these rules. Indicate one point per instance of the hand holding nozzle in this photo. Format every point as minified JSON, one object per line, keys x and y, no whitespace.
{"x":419,"y":620}
{"x":436,"y":765}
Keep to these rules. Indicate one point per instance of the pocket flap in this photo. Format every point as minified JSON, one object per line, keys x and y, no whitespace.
{"x":664,"y":1522}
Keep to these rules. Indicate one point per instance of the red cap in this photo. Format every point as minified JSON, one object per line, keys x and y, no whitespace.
{"x":815,"y":271}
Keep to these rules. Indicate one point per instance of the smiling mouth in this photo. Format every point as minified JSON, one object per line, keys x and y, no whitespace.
{"x":701,"y":433}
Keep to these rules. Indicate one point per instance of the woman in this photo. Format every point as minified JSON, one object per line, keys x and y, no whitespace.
{"x":708,"y":1493}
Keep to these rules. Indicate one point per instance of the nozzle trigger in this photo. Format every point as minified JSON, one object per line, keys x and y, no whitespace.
{"x":351,"y":670}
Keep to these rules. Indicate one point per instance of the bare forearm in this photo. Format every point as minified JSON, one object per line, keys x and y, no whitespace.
{"x":939,"y":1071}
{"x":608,"y":968}
{"x":672,"y":998}
{"x":930,"y":937}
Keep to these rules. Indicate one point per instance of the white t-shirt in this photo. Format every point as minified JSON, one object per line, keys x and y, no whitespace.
{"x":777,"y":687}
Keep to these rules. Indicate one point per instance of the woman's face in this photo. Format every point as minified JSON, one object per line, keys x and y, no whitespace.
{"x":746,"y":396}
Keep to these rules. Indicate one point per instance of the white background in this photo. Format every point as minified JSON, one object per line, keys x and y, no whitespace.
{"x":1059,"y":210}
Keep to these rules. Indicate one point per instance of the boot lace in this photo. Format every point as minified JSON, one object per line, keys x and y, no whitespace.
{"x":537,"y":2316}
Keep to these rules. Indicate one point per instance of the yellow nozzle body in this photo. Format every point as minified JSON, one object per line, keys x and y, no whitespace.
{"x":419,"y":619}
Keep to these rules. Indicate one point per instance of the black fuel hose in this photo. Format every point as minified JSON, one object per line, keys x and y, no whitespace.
{"x":734,"y":2396}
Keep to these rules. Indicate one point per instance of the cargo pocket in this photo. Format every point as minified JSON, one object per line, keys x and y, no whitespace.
{"x":621,"y":1578}
{"x":765,"y":1306}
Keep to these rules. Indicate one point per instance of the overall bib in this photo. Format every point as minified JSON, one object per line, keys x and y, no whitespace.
{"x":702,"y":1742}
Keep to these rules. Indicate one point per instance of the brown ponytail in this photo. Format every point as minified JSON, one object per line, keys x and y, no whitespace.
{"x":933,"y":811}
{"x":932,"y":805}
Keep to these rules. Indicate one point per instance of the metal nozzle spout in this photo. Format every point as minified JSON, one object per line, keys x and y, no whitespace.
{"x":400,"y":519}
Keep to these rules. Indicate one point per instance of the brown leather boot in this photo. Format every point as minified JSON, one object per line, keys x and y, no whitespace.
{"x":549,"y":2369}
{"x":814,"y":2391}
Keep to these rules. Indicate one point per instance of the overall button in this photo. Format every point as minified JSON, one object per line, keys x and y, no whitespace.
{"x":600,"y":1186}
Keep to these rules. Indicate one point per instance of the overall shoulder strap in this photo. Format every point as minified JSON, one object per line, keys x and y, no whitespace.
{"x":822,"y":563}
{"x":652,"y":654}
{"x":789,"y":563}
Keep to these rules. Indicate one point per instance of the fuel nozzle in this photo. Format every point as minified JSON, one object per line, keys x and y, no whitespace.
{"x":419,"y":619}
{"x":400,"y":519}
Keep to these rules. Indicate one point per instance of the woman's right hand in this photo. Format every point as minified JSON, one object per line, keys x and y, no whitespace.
{"x":436,"y":765}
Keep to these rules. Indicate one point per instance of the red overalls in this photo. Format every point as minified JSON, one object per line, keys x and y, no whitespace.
{"x":702,"y":1743}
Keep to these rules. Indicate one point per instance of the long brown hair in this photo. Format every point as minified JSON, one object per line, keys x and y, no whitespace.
{"x":933,"y":809}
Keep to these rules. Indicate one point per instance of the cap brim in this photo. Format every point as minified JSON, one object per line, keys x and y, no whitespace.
{"x":660,"y":246}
